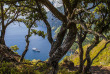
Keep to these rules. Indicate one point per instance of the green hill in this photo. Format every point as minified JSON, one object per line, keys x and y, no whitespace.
{"x":65,"y":66}
{"x":103,"y":58}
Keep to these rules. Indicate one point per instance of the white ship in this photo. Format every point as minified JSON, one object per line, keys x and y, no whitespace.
{"x":35,"y":49}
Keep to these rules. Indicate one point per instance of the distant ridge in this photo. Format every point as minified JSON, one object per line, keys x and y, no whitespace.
{"x":54,"y":22}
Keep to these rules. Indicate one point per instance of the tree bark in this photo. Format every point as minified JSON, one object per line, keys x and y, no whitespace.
{"x":50,"y":39}
{"x":27,"y":45}
{"x":81,"y":38}
{"x":88,"y":30}
{"x":101,"y":50}
{"x":89,"y":61}
{"x":87,"y":68}
{"x":81,"y":57}
{"x":2,"y":41}
{"x":58,"y":41}
{"x":27,"y":40}
{"x":60,"y":36}
{"x":63,"y":49}
{"x":4,"y":26}
{"x":26,"y":49}
{"x":48,"y":4}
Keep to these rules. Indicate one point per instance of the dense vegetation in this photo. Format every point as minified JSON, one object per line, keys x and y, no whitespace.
{"x":102,"y":60}
{"x":80,"y":19}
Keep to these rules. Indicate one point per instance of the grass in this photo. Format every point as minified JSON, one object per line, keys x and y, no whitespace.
{"x":103,"y":59}
{"x":30,"y":67}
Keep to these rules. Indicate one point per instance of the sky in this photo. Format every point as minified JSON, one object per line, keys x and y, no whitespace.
{"x":57,"y":3}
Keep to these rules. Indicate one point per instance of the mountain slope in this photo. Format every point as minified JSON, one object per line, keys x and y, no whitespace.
{"x":103,"y":58}
{"x":54,"y":22}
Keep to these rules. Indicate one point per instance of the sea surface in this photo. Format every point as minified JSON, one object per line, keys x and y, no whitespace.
{"x":15,"y":35}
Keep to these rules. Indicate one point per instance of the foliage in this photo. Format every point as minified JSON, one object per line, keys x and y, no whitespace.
{"x":103,"y":58}
{"x":39,"y":33}
{"x":76,"y":20}
{"x":14,"y":48}
{"x":27,"y":68}
{"x":66,"y":71}
{"x":11,"y":68}
{"x":88,"y":39}
{"x":6,"y":67}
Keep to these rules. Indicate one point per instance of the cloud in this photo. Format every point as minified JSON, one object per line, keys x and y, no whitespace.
{"x":56,"y":3}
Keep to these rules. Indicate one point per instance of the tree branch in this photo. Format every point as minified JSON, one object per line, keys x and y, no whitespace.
{"x":101,"y":50}
{"x":16,"y":15}
{"x":59,"y":15}
{"x":7,"y":10}
{"x":67,"y":5}
{"x":47,"y":3}
{"x":25,"y":6}
{"x":47,"y":24}
{"x":86,"y":29}
{"x":94,"y":6}
{"x":59,"y":40}
{"x":2,"y":15}
{"x":62,"y":50}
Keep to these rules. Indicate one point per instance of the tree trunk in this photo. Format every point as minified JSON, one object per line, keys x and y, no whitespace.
{"x":87,"y":68}
{"x":58,"y":41}
{"x":54,"y":68}
{"x":25,"y":51}
{"x":2,"y":41}
{"x":2,"y":38}
{"x":81,"y":38}
{"x":81,"y":57}
{"x":89,"y":62}
{"x":27,"y":45}
{"x":63,"y":49}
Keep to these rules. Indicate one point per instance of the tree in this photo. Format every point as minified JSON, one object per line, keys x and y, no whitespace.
{"x":9,"y":14}
{"x":94,"y":23}
{"x":69,"y":27}
{"x":81,"y":38}
{"x":31,"y":22}
{"x":101,"y":26}
{"x":31,"y":15}
{"x":21,"y":9}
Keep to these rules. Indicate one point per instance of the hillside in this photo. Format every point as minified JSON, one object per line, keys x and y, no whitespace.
{"x":53,"y":21}
{"x":102,"y":60}
{"x":100,"y":65}
{"x":8,"y":55}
